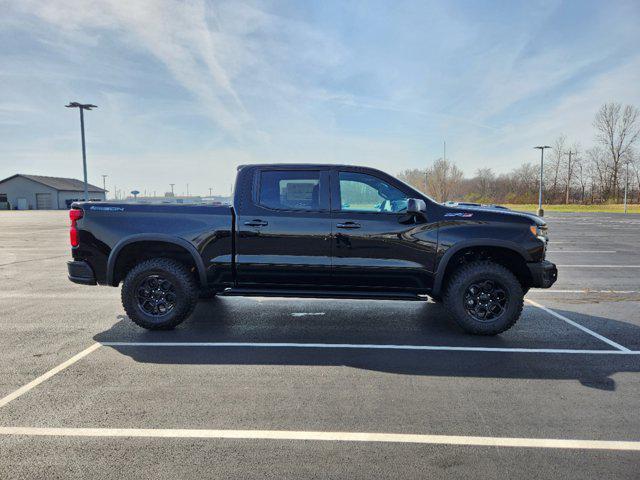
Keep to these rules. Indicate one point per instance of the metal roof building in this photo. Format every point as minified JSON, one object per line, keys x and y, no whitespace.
{"x":37,"y":192}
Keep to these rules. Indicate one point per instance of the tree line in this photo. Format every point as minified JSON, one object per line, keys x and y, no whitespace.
{"x":571,"y":174}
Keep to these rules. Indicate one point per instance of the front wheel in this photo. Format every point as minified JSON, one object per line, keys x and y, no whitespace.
{"x":484,"y":298}
{"x":159,"y":294}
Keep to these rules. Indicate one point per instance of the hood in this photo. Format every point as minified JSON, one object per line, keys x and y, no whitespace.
{"x":486,"y":212}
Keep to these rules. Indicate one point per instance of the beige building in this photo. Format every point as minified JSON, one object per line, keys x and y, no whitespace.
{"x":36,"y":192}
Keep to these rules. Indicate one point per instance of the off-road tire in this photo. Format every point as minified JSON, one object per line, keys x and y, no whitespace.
{"x":184,"y":286}
{"x":472,"y":273}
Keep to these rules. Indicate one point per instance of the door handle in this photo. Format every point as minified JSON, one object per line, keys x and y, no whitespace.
{"x":256,"y":222}
{"x":348,"y":225}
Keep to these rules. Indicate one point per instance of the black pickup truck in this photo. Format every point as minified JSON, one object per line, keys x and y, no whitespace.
{"x":313,"y":231}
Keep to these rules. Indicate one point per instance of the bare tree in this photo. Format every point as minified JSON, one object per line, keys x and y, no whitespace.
{"x":444,"y":180}
{"x":634,"y":174}
{"x":554,"y":164}
{"x":582,"y":176}
{"x":618,"y":130}
{"x":484,"y":183}
{"x":599,"y":172}
{"x":523,"y":183}
{"x":570,"y":163}
{"x":415,"y":177}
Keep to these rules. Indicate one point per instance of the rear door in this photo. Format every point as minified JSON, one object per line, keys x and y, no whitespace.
{"x":283,"y":233}
{"x":376,"y":245}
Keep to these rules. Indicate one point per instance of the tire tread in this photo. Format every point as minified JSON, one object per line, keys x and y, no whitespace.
{"x":180,"y":272}
{"x":469,"y":325}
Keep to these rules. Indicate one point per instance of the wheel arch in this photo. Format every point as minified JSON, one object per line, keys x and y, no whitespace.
{"x":514,"y":252}
{"x":188,"y":250}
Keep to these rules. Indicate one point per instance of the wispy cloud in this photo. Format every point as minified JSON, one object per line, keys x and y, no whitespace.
{"x":175,"y":33}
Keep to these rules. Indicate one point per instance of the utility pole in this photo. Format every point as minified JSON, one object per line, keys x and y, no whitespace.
{"x":541,"y":148}
{"x":104,"y":185}
{"x":83,"y":107}
{"x":172,"y":184}
{"x":210,"y":194}
{"x":187,"y":189}
{"x":566,"y":200}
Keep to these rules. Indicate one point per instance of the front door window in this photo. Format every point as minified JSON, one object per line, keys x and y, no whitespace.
{"x":360,"y":192}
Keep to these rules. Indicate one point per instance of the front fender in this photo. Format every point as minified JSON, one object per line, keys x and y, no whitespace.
{"x":476,"y":242}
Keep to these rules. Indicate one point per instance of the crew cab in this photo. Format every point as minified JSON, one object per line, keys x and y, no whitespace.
{"x":313,"y":231}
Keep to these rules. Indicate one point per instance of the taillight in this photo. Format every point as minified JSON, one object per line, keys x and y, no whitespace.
{"x":75,"y":214}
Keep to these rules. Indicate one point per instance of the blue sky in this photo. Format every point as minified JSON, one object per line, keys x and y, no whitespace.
{"x":189,"y":90}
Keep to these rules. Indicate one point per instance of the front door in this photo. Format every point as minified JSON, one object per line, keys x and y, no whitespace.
{"x":377,"y":245}
{"x":283,"y":237}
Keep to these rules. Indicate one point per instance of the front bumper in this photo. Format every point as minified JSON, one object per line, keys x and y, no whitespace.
{"x":81,"y":272}
{"x":543,"y":274}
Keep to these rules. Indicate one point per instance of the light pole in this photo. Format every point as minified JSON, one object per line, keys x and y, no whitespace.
{"x":541,"y":148}
{"x":82,"y":107}
{"x":172,"y":184}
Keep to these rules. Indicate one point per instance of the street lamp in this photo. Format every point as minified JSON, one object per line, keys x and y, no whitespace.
{"x":83,"y":107}
{"x":541,"y":148}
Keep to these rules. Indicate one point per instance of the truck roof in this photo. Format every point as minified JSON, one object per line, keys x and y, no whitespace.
{"x":302,"y":165}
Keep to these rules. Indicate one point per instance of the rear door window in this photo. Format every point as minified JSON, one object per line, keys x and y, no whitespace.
{"x":290,"y":190}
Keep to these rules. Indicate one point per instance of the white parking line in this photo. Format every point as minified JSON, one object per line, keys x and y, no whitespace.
{"x":598,"y":266}
{"x":107,"y":295}
{"x":582,"y":251}
{"x":296,"y":435}
{"x":47,"y":375}
{"x":577,"y":325}
{"x":374,"y":346}
{"x":581,"y":291}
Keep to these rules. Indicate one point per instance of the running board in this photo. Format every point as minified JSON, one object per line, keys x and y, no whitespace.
{"x":250,"y":292}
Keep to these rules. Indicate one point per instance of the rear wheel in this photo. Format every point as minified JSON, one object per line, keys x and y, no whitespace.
{"x":484,"y":298}
{"x":159,"y":294}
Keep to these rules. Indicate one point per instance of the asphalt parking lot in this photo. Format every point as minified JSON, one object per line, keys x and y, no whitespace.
{"x":282,"y":388}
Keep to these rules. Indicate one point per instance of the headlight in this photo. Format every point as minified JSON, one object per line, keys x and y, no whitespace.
{"x":539,"y":231}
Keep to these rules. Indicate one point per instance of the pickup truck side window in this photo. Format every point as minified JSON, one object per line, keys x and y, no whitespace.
{"x":290,"y":189}
{"x":360,"y":192}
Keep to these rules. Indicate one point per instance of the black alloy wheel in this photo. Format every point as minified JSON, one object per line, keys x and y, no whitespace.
{"x":486,"y":300}
{"x":159,"y":293}
{"x":483,"y":297}
{"x":156,"y":295}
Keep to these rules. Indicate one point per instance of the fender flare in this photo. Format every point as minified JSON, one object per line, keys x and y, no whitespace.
{"x":154,"y":237}
{"x":478,"y":242}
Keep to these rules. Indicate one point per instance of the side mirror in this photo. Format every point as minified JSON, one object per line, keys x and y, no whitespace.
{"x":416,"y":206}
